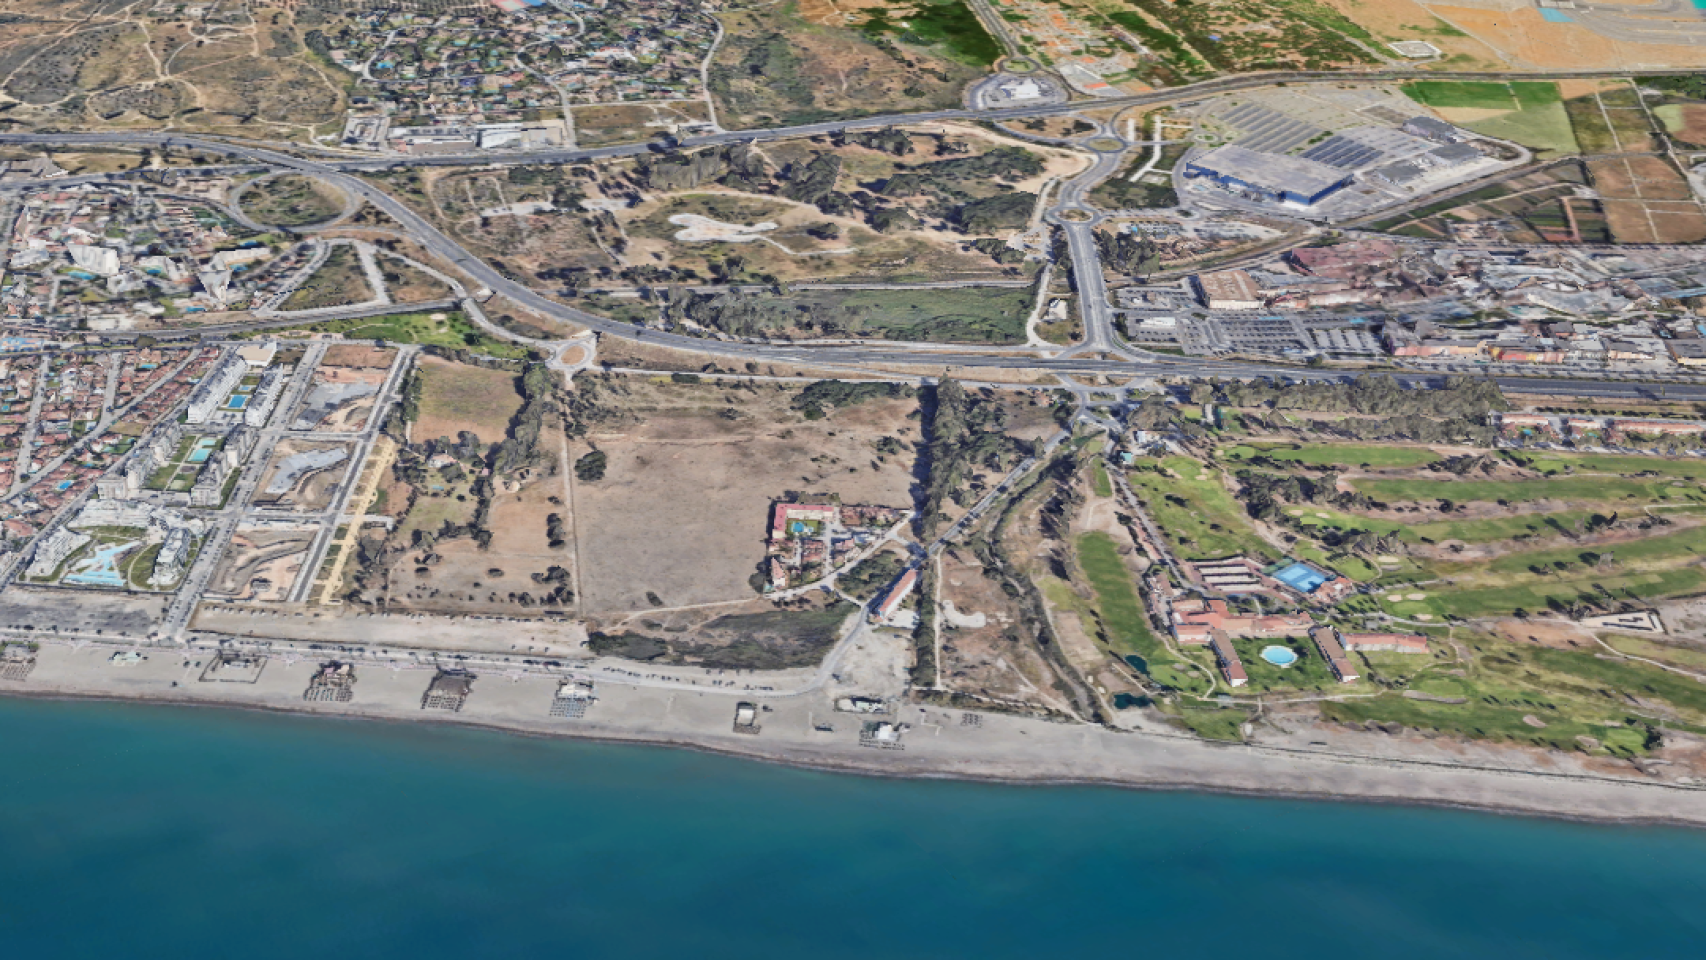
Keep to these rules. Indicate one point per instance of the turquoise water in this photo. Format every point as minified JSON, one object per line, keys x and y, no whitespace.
{"x":133,"y":831}
{"x":1279,"y":656}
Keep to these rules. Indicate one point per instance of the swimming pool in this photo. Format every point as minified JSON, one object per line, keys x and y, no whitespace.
{"x":1279,"y":656}
{"x":203,"y":448}
{"x":237,"y":402}
{"x":101,"y":570}
{"x":1301,"y":577}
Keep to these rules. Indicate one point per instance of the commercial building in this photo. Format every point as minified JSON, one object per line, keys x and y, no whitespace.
{"x":1228,"y":290}
{"x":334,"y":682}
{"x":258,"y":355}
{"x":1270,"y":176}
{"x":892,"y":601}
{"x":449,"y":690}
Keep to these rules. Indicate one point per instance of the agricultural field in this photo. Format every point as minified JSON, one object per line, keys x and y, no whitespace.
{"x":1529,"y":112}
{"x":1540,"y":207}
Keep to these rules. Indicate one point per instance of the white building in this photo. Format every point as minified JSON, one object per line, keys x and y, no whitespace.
{"x":215,"y":387}
{"x":169,"y":562}
{"x":265,"y":398}
{"x":100,"y":261}
{"x":53,"y":550}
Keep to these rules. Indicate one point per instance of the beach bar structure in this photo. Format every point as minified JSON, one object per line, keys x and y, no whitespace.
{"x":449,"y":690}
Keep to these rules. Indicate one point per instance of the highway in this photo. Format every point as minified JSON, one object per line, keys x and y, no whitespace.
{"x":1102,"y":353}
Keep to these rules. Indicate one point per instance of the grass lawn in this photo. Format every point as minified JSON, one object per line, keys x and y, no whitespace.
{"x":1327,"y":454}
{"x":1100,"y":482}
{"x":1195,"y":512}
{"x":1212,"y":723}
{"x":1531,"y":593}
{"x":1476,"y":94}
{"x":454,"y":331}
{"x":1117,"y":602}
{"x":1308,"y":673}
{"x":1607,"y":490}
{"x":1688,"y":658}
{"x":1551,"y":464}
{"x":1469,"y":531}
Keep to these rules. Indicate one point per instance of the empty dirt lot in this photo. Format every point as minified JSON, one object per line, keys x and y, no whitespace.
{"x":457,"y":397}
{"x":683,"y":507}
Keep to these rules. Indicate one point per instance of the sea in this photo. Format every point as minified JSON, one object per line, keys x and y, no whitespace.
{"x":132,"y":830}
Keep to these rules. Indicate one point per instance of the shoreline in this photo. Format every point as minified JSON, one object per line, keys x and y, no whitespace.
{"x":1692,"y":817}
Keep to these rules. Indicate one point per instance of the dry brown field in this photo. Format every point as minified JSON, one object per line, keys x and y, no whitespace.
{"x":1692,"y":126}
{"x":1647,"y":201}
{"x":272,"y":555}
{"x":1679,"y":223}
{"x":1410,"y":20}
{"x":683,"y":508}
{"x":1527,"y":39}
{"x":358,"y":355}
{"x":457,"y":397}
{"x":626,"y":123}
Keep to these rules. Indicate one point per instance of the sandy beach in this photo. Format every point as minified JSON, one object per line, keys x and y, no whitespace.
{"x":806,"y":729}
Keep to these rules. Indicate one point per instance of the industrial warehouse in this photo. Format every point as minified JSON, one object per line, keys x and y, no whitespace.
{"x":1327,"y":155}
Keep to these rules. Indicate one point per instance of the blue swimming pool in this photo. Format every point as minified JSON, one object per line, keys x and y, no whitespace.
{"x":237,"y":402}
{"x":1301,"y":577}
{"x":1279,"y":656}
{"x":203,"y":448}
{"x":101,"y":570}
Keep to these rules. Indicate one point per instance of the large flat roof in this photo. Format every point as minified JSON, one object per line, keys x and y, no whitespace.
{"x":1270,"y":171}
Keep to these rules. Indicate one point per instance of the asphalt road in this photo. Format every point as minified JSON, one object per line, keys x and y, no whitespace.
{"x":1099,"y":323}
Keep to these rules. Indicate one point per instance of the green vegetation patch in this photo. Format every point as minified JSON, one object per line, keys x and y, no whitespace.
{"x":1195,"y":512}
{"x":1117,"y":602}
{"x":962,"y":314}
{"x":1330,"y":454}
{"x":1609,"y":490}
{"x":948,"y":25}
{"x":454,"y":332}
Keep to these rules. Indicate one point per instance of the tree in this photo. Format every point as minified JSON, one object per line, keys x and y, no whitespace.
{"x":590,"y":468}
